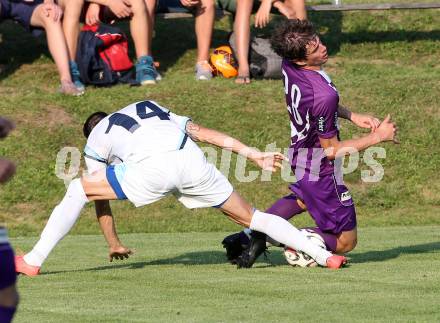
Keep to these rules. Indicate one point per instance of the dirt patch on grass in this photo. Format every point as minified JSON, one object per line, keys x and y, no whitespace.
{"x":57,"y":116}
{"x":46,"y":116}
{"x":433,"y":111}
{"x":431,"y":192}
{"x":20,"y":213}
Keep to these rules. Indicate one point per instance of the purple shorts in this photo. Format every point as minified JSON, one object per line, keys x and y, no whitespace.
{"x":330,"y":204}
{"x":21,"y":12}
{"x":7,"y":266}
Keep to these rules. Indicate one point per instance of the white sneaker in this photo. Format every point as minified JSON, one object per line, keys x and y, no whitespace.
{"x":203,"y":71}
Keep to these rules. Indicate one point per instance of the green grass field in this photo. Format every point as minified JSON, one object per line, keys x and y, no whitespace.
{"x":382,"y":62}
{"x":393,"y":276}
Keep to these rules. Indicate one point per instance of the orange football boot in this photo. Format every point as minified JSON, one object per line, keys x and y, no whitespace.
{"x":336,"y":261}
{"x":21,"y":267}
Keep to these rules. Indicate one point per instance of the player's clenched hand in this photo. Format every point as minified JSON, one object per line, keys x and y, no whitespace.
{"x":268,"y":161}
{"x":365,"y":121}
{"x":119,"y":252}
{"x":387,"y":130}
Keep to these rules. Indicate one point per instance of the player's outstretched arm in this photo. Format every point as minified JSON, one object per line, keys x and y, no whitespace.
{"x":266,"y":160}
{"x":361,"y":120}
{"x":334,"y":148}
{"x":105,"y":218}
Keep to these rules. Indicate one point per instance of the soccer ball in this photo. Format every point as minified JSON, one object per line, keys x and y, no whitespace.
{"x":223,"y":62}
{"x":299,"y":258}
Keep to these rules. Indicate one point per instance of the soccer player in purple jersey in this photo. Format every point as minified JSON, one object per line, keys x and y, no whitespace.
{"x":313,"y":106}
{"x":8,"y":291}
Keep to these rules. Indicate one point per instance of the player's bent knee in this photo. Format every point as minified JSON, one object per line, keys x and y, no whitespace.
{"x":346,"y":246}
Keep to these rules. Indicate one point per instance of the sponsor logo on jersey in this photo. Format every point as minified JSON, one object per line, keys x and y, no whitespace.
{"x":321,"y":124}
{"x":345,"y":196}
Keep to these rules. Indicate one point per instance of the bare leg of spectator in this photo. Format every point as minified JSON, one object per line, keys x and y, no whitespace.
{"x":139,"y":28}
{"x":72,"y":11}
{"x":242,"y":36}
{"x":141,"y":32}
{"x":292,"y":9}
{"x":204,"y":24}
{"x":57,"y":47}
{"x":151,"y":13}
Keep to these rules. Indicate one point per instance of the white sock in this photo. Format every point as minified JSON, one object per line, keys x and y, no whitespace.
{"x":269,"y":241}
{"x":61,"y":220}
{"x":285,"y":233}
{"x":247,"y":232}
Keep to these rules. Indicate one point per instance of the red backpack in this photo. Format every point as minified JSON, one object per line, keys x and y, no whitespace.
{"x":102,"y":56}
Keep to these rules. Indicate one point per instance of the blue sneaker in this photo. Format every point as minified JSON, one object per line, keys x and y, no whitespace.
{"x":145,"y":71}
{"x":76,"y":77}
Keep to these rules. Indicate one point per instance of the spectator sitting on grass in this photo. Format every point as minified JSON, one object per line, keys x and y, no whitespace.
{"x":242,"y":10}
{"x":35,"y":15}
{"x":136,"y":12}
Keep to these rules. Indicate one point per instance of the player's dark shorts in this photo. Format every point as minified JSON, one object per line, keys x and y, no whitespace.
{"x":21,"y":12}
{"x":7,"y":266}
{"x":329,"y":203}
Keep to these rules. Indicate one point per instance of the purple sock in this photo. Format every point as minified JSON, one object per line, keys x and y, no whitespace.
{"x":6,"y":314}
{"x":286,"y":207}
{"x":329,"y":239}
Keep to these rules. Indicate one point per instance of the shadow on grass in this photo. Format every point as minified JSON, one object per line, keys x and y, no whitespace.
{"x":275,"y":258}
{"x":382,"y":255}
{"x":18,"y":47}
{"x":190,"y":258}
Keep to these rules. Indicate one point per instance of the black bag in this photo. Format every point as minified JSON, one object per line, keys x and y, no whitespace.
{"x":263,"y":61}
{"x":102,"y":56}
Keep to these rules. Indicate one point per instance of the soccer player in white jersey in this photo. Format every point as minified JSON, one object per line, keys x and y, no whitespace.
{"x":158,"y":156}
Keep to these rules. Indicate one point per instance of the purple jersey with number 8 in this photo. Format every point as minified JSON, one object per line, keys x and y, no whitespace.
{"x":312,"y":102}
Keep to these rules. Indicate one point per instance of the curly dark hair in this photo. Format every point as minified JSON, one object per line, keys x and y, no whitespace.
{"x":92,"y":121}
{"x":290,"y":39}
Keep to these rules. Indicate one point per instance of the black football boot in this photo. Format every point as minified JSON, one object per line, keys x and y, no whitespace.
{"x":233,"y":246}
{"x":255,"y":248}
